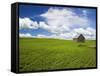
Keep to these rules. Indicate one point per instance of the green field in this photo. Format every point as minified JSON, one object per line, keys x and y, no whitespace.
{"x":49,"y":54}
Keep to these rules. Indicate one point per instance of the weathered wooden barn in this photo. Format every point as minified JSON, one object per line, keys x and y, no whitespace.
{"x":80,"y":38}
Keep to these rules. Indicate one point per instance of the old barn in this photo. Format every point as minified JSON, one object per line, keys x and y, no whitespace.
{"x":80,"y":38}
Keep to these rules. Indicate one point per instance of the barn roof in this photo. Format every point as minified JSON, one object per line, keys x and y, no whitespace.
{"x":81,"y":35}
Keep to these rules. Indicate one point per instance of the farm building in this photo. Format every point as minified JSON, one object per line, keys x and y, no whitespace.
{"x":80,"y":38}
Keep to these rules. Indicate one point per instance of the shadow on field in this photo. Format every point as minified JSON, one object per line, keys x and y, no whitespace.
{"x":84,"y":45}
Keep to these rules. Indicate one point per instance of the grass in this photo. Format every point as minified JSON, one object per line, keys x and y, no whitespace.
{"x":48,"y":54}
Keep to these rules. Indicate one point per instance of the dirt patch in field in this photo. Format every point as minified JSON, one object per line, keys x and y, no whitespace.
{"x":92,"y":46}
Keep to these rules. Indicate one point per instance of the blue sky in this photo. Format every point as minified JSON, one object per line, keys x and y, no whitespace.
{"x":33,"y":13}
{"x":46,"y":20}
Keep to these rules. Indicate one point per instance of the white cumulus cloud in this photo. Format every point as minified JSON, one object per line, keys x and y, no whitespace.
{"x":25,"y":35}
{"x":62,"y":20}
{"x":27,"y":23}
{"x":88,"y":32}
